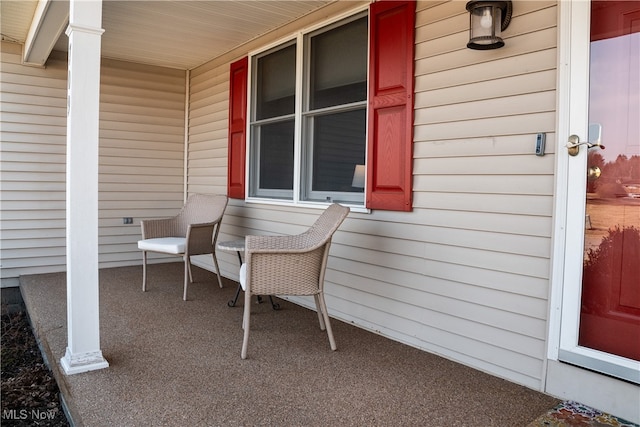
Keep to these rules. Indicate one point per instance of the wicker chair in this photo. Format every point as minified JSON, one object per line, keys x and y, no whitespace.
{"x":290,"y":265}
{"x":193,"y":231}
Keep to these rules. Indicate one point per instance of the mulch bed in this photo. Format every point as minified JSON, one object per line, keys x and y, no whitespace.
{"x":29,"y":392}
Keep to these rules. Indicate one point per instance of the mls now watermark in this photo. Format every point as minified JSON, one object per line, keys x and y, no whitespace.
{"x":29,"y":414}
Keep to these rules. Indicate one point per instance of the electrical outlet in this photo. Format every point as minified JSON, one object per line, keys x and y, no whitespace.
{"x":127,"y":220}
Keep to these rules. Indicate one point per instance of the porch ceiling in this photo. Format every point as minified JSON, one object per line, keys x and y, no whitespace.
{"x":171,"y":33}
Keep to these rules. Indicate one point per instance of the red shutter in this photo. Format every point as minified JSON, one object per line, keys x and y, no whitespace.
{"x":390,"y":154}
{"x":237,"y":128}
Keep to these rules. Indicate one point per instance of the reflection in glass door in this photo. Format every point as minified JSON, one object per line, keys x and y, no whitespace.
{"x":610,"y":309}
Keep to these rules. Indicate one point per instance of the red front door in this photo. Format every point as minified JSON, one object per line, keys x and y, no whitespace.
{"x":610,"y":310}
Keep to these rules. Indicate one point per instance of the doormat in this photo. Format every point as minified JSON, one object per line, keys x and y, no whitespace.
{"x":572,"y":414}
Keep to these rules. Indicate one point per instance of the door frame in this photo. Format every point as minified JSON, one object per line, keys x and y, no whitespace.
{"x":569,"y":367}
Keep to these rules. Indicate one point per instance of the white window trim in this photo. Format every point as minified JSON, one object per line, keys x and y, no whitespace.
{"x":299,"y":39}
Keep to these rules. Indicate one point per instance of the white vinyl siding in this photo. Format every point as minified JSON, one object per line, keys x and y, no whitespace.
{"x":141,"y":154}
{"x":466,"y":273}
{"x":208,"y":118}
{"x":141,"y":166}
{"x":484,"y":199}
{"x":32,"y":166}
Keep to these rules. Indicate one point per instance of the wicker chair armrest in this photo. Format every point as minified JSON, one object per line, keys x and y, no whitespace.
{"x":200,"y":238}
{"x":162,"y":227}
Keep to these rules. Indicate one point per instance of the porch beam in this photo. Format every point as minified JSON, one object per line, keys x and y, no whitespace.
{"x":83,"y":105}
{"x":48,"y":23}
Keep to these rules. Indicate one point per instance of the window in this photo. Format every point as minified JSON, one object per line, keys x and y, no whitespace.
{"x":321,"y":104}
{"x":310,"y":153}
{"x":273,"y":124}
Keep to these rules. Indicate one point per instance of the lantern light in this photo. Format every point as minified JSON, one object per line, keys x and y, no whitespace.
{"x":488,"y":20}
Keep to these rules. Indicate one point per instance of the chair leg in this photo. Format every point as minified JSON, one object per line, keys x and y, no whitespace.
{"x":144,"y":271}
{"x":245,"y":323}
{"x":215,"y":262}
{"x":325,"y":314}
{"x":187,"y":275}
{"x":319,"y":311}
{"x":188,"y":261}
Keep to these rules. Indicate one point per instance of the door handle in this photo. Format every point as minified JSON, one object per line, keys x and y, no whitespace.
{"x":573,"y":145}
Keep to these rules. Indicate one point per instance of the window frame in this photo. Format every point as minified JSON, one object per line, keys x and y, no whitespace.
{"x":301,"y":153}
{"x":357,"y":198}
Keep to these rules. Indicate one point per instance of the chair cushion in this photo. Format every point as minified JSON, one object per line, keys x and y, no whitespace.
{"x":243,"y":276}
{"x":169,"y":245}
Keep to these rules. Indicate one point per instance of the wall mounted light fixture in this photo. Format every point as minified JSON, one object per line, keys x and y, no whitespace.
{"x":488,"y":20}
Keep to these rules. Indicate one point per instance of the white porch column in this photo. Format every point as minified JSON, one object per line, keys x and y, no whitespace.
{"x":83,"y":101}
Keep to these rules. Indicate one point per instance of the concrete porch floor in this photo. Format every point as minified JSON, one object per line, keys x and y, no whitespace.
{"x":177,"y":363}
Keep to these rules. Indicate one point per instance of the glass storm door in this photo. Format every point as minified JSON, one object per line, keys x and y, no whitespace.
{"x":603,"y":232}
